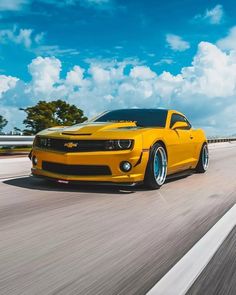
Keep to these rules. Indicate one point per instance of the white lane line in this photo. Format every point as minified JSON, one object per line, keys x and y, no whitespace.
{"x":181,"y":277}
{"x":14,"y":177}
{"x":14,"y":160}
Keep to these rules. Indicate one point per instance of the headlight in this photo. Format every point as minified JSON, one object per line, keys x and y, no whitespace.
{"x":124,"y":144}
{"x":121,"y":144}
{"x":42,"y":142}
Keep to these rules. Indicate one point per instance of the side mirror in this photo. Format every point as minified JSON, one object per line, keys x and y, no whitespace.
{"x":180,"y":125}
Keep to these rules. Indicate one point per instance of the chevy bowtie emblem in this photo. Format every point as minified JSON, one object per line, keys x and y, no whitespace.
{"x":70,"y":145}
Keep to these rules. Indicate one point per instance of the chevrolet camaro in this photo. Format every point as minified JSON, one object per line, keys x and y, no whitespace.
{"x":126,"y":146}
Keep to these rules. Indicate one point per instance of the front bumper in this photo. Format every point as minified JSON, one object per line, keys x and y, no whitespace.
{"x":136,"y":157}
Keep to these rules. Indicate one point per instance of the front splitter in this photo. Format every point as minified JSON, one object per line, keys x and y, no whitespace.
{"x":86,"y":182}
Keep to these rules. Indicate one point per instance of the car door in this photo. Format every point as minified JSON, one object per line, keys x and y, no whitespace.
{"x":181,"y":145}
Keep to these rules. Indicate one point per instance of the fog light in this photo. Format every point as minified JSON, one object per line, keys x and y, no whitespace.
{"x":34,"y":160}
{"x":125,"y":166}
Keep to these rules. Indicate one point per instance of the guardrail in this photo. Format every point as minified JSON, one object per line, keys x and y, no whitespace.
{"x":216,"y":140}
{"x":18,"y":140}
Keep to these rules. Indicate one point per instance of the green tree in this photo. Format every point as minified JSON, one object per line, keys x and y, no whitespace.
{"x":48,"y":114}
{"x":3,"y":122}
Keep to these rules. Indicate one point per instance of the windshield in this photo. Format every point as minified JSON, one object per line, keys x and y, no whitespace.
{"x":142,"y":117}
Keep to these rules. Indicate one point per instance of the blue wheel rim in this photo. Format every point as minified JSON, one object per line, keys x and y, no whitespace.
{"x":205,"y":157}
{"x":156,"y":166}
{"x":160,"y":165}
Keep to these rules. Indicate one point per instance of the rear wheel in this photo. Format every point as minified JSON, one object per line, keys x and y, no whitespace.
{"x":203,"y":161}
{"x":156,"y":170}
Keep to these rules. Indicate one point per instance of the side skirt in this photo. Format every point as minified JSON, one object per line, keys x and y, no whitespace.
{"x":180,"y":174}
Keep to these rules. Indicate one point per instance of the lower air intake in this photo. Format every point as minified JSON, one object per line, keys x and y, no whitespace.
{"x":80,"y":170}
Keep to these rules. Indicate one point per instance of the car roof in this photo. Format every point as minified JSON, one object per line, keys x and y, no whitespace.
{"x":127,"y":109}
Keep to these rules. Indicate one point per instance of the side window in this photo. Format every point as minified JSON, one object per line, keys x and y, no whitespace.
{"x":178,"y":118}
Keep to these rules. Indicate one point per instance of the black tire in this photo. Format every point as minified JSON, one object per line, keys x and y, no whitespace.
{"x":150,"y":181}
{"x":203,"y":161}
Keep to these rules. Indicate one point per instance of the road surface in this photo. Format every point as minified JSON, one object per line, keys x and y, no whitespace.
{"x":60,"y":239}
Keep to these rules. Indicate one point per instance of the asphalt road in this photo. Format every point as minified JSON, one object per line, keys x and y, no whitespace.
{"x":219,"y":277}
{"x":57,"y":239}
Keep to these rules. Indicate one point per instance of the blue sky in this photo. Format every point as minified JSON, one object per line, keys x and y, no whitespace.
{"x":111,"y":29}
{"x":101,"y":54}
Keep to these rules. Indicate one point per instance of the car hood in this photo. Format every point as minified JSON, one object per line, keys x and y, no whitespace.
{"x":94,"y":129}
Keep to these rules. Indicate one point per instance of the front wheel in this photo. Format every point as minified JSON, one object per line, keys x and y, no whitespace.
{"x":156,"y":169}
{"x":203,"y":161}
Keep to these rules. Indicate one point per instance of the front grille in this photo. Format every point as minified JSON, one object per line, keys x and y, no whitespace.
{"x":83,"y":145}
{"x":80,"y":170}
{"x":71,"y":146}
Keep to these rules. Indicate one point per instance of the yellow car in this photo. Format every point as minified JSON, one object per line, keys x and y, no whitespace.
{"x":127,"y":146}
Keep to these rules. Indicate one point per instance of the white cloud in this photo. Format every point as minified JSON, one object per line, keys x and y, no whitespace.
{"x":24,"y":37}
{"x":39,"y":37}
{"x":99,"y":74}
{"x":6,"y":83}
{"x":13,"y":5}
{"x":19,"y":36}
{"x":205,"y":90}
{"x":142,"y":73}
{"x":14,"y":116}
{"x":26,"y":5}
{"x":33,"y":42}
{"x":209,"y":70}
{"x":229,"y":42}
{"x":73,"y":2}
{"x":45,"y":74}
{"x":167,"y":61}
{"x":54,"y":50}
{"x":213,"y":16}
{"x":98,"y":2}
{"x":75,"y":77}
{"x":176,"y":43}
